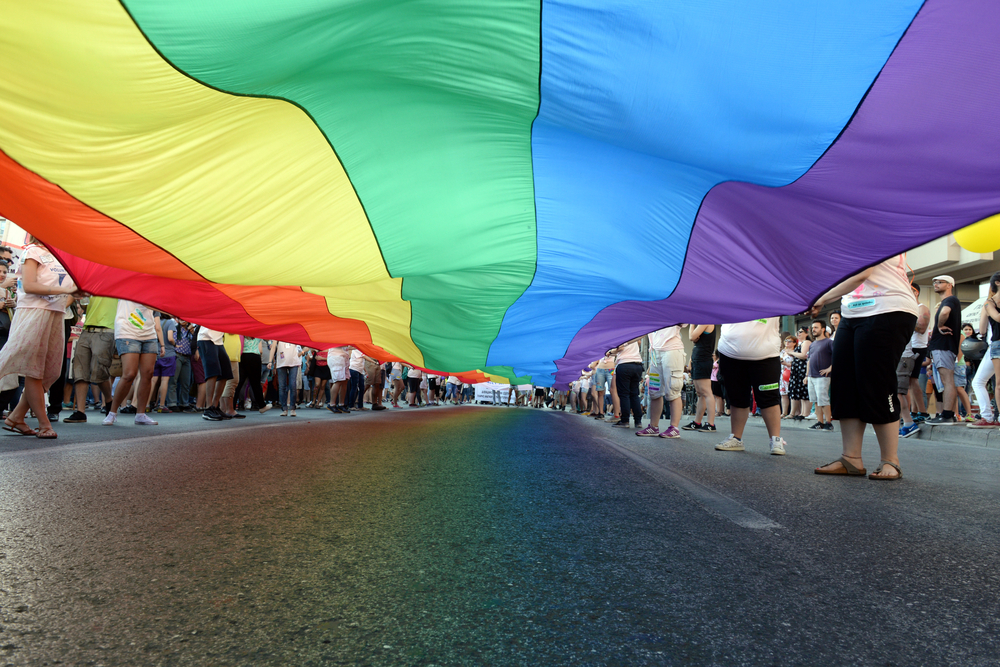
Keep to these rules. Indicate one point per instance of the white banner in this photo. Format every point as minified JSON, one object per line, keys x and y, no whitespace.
{"x":484,"y":392}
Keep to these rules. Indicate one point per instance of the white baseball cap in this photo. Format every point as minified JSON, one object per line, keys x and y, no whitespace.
{"x":944,"y":279}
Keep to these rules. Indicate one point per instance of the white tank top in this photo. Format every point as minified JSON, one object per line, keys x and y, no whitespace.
{"x":887,"y":290}
{"x":918,"y":341}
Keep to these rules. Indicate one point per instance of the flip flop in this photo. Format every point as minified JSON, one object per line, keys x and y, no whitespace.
{"x":850,"y":470}
{"x":19,"y":428}
{"x":881,"y":464}
{"x":46,"y":434}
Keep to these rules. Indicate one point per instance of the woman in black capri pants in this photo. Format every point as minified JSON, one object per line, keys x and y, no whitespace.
{"x":879,"y":312}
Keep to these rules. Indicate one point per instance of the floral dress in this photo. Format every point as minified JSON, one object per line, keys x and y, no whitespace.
{"x":797,"y":390}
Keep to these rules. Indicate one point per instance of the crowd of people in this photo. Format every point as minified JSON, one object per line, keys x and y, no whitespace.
{"x":878,"y":360}
{"x":62,"y":349}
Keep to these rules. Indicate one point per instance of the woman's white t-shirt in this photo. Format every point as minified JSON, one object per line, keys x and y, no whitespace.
{"x":287,"y":355}
{"x":50,"y":273}
{"x":134,"y":321}
{"x":211,"y":335}
{"x":750,"y":341}
{"x":668,"y":338}
{"x":886,"y":290}
{"x":630,"y":354}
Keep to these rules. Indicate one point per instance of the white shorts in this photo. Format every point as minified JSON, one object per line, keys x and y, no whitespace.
{"x":340,"y":371}
{"x":666,"y":374}
{"x":819,"y":391}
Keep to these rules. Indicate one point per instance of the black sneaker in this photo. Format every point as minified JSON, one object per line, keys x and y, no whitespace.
{"x":942,"y":421}
{"x":620,"y":425}
{"x":708,"y":428}
{"x":818,"y":426}
{"x":127,"y":410}
{"x":212,"y":415}
{"x":76,"y":418}
{"x":693,"y":426}
{"x":828,"y":426}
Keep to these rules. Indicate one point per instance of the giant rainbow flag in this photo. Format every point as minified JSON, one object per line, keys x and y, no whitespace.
{"x":509,"y":186}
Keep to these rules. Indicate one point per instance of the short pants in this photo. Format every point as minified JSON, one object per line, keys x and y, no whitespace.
{"x":742,"y":376}
{"x":165,"y":367}
{"x":92,"y":357}
{"x":819,"y":391}
{"x":131,"y":346}
{"x":666,"y":374}
{"x":903,"y":373}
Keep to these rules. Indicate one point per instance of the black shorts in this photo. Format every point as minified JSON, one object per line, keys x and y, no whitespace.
{"x":540,"y":392}
{"x":413,"y":385}
{"x":717,"y":388}
{"x":866,"y":353}
{"x":432,"y":384}
{"x":210,"y":359}
{"x":701,"y":368}
{"x":918,"y":363}
{"x":225,"y":365}
{"x":761,"y":376}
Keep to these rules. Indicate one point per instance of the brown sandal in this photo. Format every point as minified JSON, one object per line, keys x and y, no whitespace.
{"x":18,"y":428}
{"x":46,"y":434}
{"x":850,"y":470}
{"x":881,"y":464}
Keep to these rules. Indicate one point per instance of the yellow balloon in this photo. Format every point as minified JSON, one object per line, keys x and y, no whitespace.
{"x":982,"y":236}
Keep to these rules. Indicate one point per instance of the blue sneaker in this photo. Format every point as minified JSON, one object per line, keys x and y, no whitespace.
{"x":907,"y":431}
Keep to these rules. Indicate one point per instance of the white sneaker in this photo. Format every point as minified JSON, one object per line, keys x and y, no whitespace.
{"x":110,"y":419}
{"x":778,"y":447}
{"x":142,"y":419}
{"x":730,"y":444}
{"x":267,"y":406}
{"x":284,"y":413}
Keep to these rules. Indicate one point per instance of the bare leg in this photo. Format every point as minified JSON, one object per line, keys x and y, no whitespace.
{"x":32,"y":397}
{"x":655,"y":410}
{"x":963,"y":396}
{"x":146,"y":364}
{"x":772,"y":420}
{"x":704,"y":388}
{"x":164,"y":385}
{"x":738,"y":420}
{"x":130,"y":368}
{"x":80,"y":395}
{"x":917,"y":396}
{"x":949,"y":389}
{"x":676,"y":407}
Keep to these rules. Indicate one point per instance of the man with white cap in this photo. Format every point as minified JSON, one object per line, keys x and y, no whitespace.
{"x":943,"y":347}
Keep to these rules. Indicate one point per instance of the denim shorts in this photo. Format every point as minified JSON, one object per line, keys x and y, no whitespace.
{"x":995,"y":349}
{"x":130,"y":346}
{"x":602,"y":378}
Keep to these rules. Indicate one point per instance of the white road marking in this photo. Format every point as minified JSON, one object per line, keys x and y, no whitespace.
{"x":710,"y":499}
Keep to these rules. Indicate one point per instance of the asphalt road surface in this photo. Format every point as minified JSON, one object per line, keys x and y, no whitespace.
{"x":487,"y":536}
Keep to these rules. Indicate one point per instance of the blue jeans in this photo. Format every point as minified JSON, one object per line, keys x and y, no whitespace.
{"x":287,"y":379}
{"x":355,"y":395}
